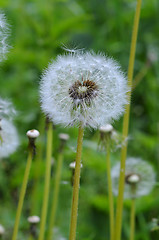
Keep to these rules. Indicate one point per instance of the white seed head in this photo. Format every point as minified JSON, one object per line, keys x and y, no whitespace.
{"x":2,"y":230}
{"x":83,"y":87}
{"x":33,"y":133}
{"x":33,"y":219}
{"x":64,"y":136}
{"x":9,"y":140}
{"x":106,"y":128}
{"x":73,"y":165}
{"x":136,"y":170}
{"x":4,"y":31}
{"x":6,"y":109}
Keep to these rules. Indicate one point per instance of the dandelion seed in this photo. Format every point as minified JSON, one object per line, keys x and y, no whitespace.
{"x":4,"y":31}
{"x":8,"y":138}
{"x":83,"y":87}
{"x":139,"y":178}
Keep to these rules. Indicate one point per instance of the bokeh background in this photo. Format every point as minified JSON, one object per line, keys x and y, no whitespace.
{"x":39,"y":31}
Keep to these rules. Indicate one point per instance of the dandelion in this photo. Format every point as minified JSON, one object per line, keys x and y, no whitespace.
{"x":139,"y":181}
{"x":83,"y":89}
{"x":139,"y":174}
{"x":9,"y":140}
{"x":32,"y":135}
{"x":6,"y":109}
{"x":4,"y":30}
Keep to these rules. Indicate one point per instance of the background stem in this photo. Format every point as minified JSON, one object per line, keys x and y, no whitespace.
{"x":47,"y":182}
{"x":55,"y":196}
{"x":22,"y":194}
{"x":74,"y":209}
{"x":132,"y":219}
{"x":110,"y":194}
{"x":118,"y":223}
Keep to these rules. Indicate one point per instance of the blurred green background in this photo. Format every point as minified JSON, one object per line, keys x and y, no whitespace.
{"x":39,"y":31}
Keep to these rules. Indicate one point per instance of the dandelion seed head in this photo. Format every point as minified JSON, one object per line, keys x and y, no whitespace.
{"x":4,"y":31}
{"x":83,"y":87}
{"x":139,"y":178}
{"x":8,"y":138}
{"x":6,"y":109}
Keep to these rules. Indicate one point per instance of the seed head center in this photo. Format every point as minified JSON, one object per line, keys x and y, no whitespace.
{"x":83,"y":91}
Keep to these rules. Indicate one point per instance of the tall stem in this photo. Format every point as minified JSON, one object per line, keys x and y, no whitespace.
{"x":110,"y":194}
{"x":118,"y":222}
{"x":22,"y":194}
{"x":74,"y":210}
{"x":55,"y":196}
{"x":132,"y":220}
{"x":47,"y":182}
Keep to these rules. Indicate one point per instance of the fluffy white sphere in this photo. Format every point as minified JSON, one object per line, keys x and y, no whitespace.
{"x":83,"y":87}
{"x":136,"y":169}
{"x":8,"y":138}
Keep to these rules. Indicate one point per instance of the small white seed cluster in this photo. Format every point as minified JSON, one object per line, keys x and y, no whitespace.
{"x":133,"y":178}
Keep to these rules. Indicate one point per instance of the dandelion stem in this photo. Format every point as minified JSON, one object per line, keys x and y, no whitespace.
{"x":132,"y":219}
{"x":47,"y":182}
{"x":22,"y":194}
{"x":74,"y":210}
{"x":118,"y":222}
{"x":55,"y":196}
{"x":110,"y":194}
{"x":37,"y":173}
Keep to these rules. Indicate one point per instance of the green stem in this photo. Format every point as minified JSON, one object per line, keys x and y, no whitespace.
{"x":74,"y":210}
{"x":132,"y":219}
{"x":22,"y":194}
{"x":110,"y":194}
{"x":55,"y":196}
{"x":37,"y":172}
{"x":118,"y":222}
{"x":47,"y":182}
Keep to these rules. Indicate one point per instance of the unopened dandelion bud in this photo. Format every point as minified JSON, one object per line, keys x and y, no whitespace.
{"x":133,"y":179}
{"x":2,"y":230}
{"x":72,"y":167}
{"x":108,"y":128}
{"x":32,"y":135}
{"x":64,"y":138}
{"x":33,"y":220}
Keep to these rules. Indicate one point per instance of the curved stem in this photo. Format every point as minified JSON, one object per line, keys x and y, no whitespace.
{"x":22,"y":194}
{"x":132,"y":219}
{"x":55,"y":196}
{"x":47,"y":182}
{"x":74,"y":210}
{"x":118,"y":222}
{"x":110,"y":194}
